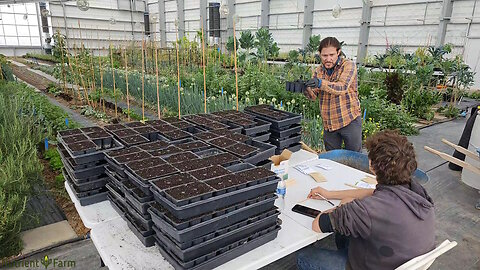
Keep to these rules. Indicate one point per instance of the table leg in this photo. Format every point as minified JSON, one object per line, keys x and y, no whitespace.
{"x":102,"y":264}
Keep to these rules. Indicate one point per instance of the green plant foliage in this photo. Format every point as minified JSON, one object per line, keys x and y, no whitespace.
{"x":419,"y":102}
{"x":54,"y":159}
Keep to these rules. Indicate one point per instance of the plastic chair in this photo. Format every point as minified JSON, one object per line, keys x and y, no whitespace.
{"x":424,"y":261}
{"x":359,"y":161}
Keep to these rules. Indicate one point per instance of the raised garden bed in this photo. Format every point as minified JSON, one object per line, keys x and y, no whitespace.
{"x":180,"y":157}
{"x":188,"y":229}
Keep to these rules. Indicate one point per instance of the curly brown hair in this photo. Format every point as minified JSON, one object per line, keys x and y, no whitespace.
{"x":392,"y":157}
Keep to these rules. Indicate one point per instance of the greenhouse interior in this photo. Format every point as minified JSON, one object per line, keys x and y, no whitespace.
{"x":334,"y":134}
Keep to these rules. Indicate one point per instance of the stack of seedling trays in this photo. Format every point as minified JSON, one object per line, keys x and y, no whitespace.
{"x":210,"y":211}
{"x":82,"y":153}
{"x":255,"y":128}
{"x":285,"y":129}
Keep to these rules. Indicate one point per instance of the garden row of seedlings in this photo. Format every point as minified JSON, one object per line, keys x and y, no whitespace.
{"x":285,"y":129}
{"x":194,"y":186}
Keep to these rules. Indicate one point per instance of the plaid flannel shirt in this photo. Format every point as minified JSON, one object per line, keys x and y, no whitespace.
{"x":338,"y":94}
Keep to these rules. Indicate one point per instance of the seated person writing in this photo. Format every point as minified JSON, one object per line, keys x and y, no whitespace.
{"x":386,"y":226}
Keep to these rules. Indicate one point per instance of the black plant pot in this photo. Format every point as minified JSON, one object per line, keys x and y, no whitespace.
{"x":289,"y":86}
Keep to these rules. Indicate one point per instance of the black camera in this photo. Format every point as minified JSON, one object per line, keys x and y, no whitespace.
{"x":297,"y":86}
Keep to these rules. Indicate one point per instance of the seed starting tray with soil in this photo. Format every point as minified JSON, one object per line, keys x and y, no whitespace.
{"x":90,"y":197}
{"x":279,"y":119}
{"x":261,"y":137}
{"x":180,"y":157}
{"x":193,"y":146}
{"x":191,"y":165}
{"x":260,"y":127}
{"x":176,"y":135}
{"x":147,"y":131}
{"x":187,"y":251}
{"x":221,"y":255}
{"x":133,"y":140}
{"x":162,"y":128}
{"x":121,"y":133}
{"x":141,"y":207}
{"x":87,"y":185}
{"x":222,"y":142}
{"x":265,"y":151}
{"x":144,"y":163}
{"x":287,"y":131}
{"x":134,"y":124}
{"x":188,"y":229}
{"x":101,"y":138}
{"x":69,"y":132}
{"x":141,"y":178}
{"x":166,"y":152}
{"x":74,"y":139}
{"x":155,"y":145}
{"x":242,"y":150}
{"x":206,"y":136}
{"x":114,"y":127}
{"x":94,"y":156}
{"x":213,"y":200}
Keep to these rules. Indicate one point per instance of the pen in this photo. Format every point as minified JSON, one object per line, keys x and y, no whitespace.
{"x":318,"y":194}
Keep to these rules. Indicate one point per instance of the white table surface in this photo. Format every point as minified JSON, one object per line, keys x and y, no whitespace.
{"x":120,"y":249}
{"x":93,"y":214}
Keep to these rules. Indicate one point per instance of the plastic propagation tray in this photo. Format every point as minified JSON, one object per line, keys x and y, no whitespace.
{"x":290,"y":119}
{"x":215,"y":202}
{"x":262,"y":137}
{"x":140,"y":206}
{"x":203,"y":245}
{"x":86,"y":173}
{"x":188,"y":229}
{"x":290,"y":130}
{"x":286,"y":142}
{"x":293,"y":148}
{"x":83,"y":158}
{"x":223,"y":254}
{"x":90,"y":197}
{"x":266,"y":150}
{"x":144,"y":235}
{"x":261,"y":127}
{"x":86,"y":186}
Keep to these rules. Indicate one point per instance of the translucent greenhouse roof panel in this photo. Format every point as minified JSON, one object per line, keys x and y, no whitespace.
{"x":19,"y":25}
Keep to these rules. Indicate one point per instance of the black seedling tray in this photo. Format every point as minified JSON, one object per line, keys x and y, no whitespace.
{"x":66,"y":159}
{"x":134,"y":140}
{"x":215,"y":202}
{"x":180,"y":157}
{"x":223,"y":254}
{"x":209,"y":152}
{"x":145,"y":220}
{"x":102,"y":139}
{"x":206,"y":136}
{"x":203,"y":245}
{"x":120,"y":209}
{"x":267,"y":164}
{"x":185,"y":230}
{"x":290,"y":130}
{"x":85,"y":173}
{"x":92,"y":157}
{"x":143,"y":183}
{"x":114,"y":127}
{"x":193,"y":145}
{"x":166,"y":152}
{"x":69,"y":132}
{"x":89,"y":185}
{"x":90,"y":197}
{"x":261,"y":126}
{"x":262,"y":137}
{"x":146,"y":237}
{"x":155,"y":145}
{"x":293,"y":148}
{"x":139,"y":206}
{"x":147,"y":131}
{"x":277,"y":124}
{"x":115,"y":194}
{"x":286,"y":142}
{"x":265,"y":151}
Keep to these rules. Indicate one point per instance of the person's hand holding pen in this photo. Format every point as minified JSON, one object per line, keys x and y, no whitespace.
{"x":319,"y":193}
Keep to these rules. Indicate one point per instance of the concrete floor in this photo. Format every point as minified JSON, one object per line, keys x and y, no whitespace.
{"x":456,"y":217}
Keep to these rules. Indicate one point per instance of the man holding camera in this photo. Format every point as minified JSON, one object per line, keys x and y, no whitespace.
{"x":335,"y":84}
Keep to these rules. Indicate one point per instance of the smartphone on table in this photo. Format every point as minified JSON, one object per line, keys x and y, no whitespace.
{"x":307,"y":211}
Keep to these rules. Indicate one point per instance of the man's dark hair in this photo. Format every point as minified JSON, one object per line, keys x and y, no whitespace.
{"x":392,"y":157}
{"x":329,"y":42}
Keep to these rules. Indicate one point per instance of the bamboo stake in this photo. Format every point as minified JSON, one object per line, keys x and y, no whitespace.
{"x":113,"y":75}
{"x":101,"y":81}
{"x":204,"y":74}
{"x":126,"y":81}
{"x":93,"y":73}
{"x":81,"y":62}
{"x":63,"y":66}
{"x":235,"y":51}
{"x":178,"y":70}
{"x":80,"y":74}
{"x":74,"y":77}
{"x":143,"y":77}
{"x":156,"y":75}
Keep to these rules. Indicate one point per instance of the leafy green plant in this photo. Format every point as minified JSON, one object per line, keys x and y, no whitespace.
{"x":369,"y":127}
{"x":312,"y":133}
{"x":419,"y":102}
{"x":451,"y":111}
{"x":54,"y":159}
{"x":265,"y":44}
{"x":394,"y":83}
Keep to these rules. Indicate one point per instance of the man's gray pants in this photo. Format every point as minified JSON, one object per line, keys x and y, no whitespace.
{"x":351,"y":135}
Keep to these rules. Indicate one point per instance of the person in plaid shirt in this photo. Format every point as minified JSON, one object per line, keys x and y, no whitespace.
{"x":335,"y":84}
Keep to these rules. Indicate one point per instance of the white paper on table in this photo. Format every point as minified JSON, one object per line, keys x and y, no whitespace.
{"x":362,"y":184}
{"x":324,"y":167}
{"x":304,"y":169}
